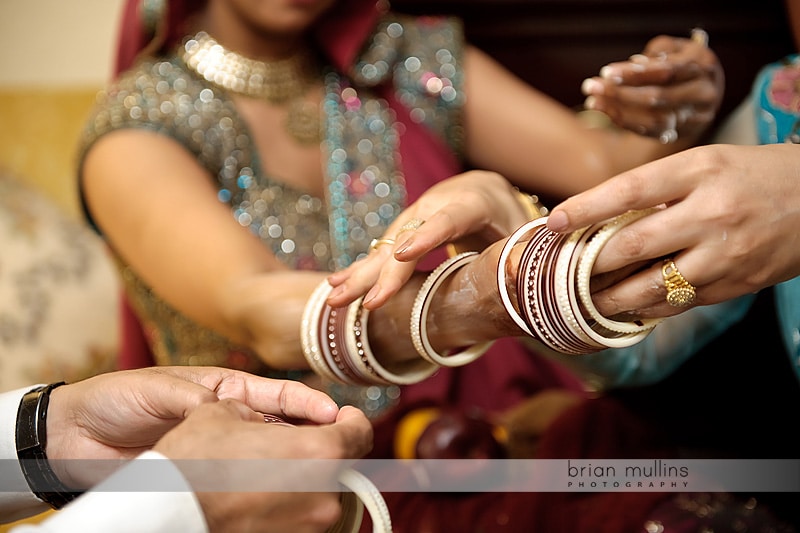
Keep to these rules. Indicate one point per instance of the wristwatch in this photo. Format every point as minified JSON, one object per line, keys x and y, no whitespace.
{"x":31,"y":442}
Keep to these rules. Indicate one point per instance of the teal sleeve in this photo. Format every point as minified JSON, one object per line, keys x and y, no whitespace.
{"x":670,"y":344}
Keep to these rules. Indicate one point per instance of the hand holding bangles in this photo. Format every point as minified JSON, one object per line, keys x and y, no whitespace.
{"x":728,"y":223}
{"x":672,"y":89}
{"x":473,"y":209}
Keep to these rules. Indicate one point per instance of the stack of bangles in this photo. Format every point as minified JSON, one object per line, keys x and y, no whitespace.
{"x":553,"y":299}
{"x":552,"y":303}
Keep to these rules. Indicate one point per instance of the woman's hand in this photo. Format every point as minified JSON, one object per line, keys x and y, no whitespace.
{"x":472,"y":209}
{"x":671,"y":90}
{"x":730,"y":224}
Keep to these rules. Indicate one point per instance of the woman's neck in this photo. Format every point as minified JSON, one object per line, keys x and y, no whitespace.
{"x":243,"y":37}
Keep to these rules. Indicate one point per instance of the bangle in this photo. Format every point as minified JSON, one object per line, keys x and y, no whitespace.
{"x":419,"y":316}
{"x":587,"y":259}
{"x":31,"y":437}
{"x":502,"y":283}
{"x":336,"y":346}
{"x":530,"y":203}
{"x":405,"y":373}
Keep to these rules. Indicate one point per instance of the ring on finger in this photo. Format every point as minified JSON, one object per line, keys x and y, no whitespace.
{"x":669,"y":135}
{"x":378,"y":242}
{"x":680,"y":293}
{"x":411,"y":225}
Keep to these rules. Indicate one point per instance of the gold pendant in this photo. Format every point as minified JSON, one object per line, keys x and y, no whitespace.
{"x":303,"y":122}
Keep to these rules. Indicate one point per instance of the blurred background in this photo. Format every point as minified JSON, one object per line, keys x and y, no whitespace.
{"x":58,"y":288}
{"x":55,"y":56}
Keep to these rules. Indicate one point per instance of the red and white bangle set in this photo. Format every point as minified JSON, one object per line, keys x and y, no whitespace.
{"x":553,"y":301}
{"x":336,"y":345}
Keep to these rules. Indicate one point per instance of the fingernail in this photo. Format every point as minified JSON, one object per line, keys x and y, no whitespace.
{"x":404,"y":247}
{"x":590,"y":102}
{"x":610,"y":73}
{"x":372,"y":293}
{"x":336,"y":292}
{"x":558,"y":221}
{"x":639,"y":58}
{"x":591,"y":86}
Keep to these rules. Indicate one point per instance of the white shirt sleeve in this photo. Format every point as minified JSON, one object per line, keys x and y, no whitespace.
{"x":105,"y":508}
{"x":16,"y":499}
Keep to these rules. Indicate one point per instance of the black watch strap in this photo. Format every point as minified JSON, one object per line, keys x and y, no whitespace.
{"x":31,"y":444}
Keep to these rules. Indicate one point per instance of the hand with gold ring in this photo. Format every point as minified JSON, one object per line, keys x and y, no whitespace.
{"x":728,"y":220}
{"x":474,"y":209}
{"x":680,"y":293}
{"x":670,"y":91}
{"x":379,"y":242}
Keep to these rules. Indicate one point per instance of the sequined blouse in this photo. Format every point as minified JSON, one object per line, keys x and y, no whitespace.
{"x":421,"y":58}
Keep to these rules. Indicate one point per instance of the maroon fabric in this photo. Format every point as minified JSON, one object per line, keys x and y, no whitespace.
{"x":134,"y":349}
{"x":598,"y":428}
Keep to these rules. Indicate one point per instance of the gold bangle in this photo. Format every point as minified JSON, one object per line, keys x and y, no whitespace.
{"x":530,"y":203}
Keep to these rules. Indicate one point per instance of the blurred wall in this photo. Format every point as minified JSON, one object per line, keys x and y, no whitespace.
{"x":54,"y":57}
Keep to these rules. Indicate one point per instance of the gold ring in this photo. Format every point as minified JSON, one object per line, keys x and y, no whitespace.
{"x":680,"y":293}
{"x":411,"y":225}
{"x":377,"y":242}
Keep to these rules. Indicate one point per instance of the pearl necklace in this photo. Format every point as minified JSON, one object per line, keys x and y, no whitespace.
{"x":283,"y":82}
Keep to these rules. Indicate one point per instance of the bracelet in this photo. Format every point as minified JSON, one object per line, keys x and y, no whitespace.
{"x":31,"y":437}
{"x":530,"y":202}
{"x":419,"y":316}
{"x":552,"y":288}
{"x":502,"y":286}
{"x":586,"y":262}
{"x":336,"y":346}
{"x":309,"y":331}
{"x":406,"y":373}
{"x":361,"y":493}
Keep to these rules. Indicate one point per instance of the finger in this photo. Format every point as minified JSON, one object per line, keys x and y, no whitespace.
{"x":448,"y":224}
{"x":391,"y":279}
{"x":355,"y":280}
{"x":645,"y":293}
{"x":655,"y":183}
{"x":642,"y":120}
{"x":290,"y":399}
{"x":380,"y":277}
{"x":353,"y":431}
{"x":229,"y":409}
{"x":644,"y":239}
{"x":166,"y":392}
{"x":364,"y":278}
{"x":700,"y":93}
{"x":642,"y":295}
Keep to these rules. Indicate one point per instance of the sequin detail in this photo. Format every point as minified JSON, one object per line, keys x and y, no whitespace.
{"x":419,"y":58}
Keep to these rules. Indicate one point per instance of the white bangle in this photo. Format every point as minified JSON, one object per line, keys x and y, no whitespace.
{"x":586,"y":262}
{"x":310,"y":331}
{"x":502,"y":287}
{"x":370,"y":496}
{"x":600,"y":341}
{"x":419,"y":316}
{"x":358,"y":343}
